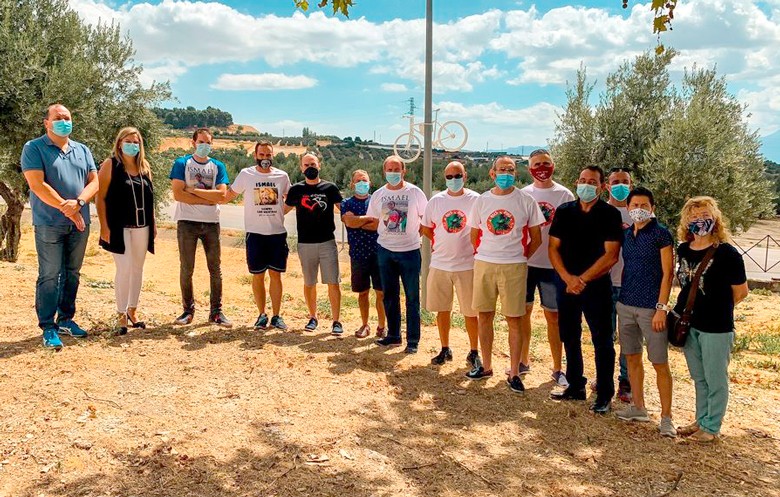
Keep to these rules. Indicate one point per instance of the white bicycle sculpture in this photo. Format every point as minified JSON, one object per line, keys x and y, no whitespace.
{"x":451,"y":136}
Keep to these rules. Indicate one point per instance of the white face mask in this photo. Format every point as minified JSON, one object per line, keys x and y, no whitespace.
{"x":640,"y":215}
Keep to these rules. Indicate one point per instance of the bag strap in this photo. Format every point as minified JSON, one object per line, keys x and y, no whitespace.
{"x":697,"y":278}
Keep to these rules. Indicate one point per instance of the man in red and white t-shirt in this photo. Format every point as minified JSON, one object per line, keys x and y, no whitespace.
{"x":549,"y":195}
{"x":506,"y":230}
{"x":445,"y":223}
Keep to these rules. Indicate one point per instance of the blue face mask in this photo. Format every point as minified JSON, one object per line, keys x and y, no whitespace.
{"x":586,"y":192}
{"x":202,"y":149}
{"x":62,"y":127}
{"x":131,"y":149}
{"x":701,"y":227}
{"x":504,"y":181}
{"x":361,"y":187}
{"x":619,"y":192}
{"x":454,"y":185}
{"x":394,"y":179}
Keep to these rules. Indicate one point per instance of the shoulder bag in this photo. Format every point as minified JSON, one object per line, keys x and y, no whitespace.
{"x":679,"y":327}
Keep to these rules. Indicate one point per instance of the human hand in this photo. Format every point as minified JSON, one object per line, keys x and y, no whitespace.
{"x":105,"y":234}
{"x":78,"y":220}
{"x":659,"y":321}
{"x":69,"y":207}
{"x":574,"y":285}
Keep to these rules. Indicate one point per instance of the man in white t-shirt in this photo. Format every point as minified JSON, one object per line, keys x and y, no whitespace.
{"x":505,"y":230}
{"x":398,"y":207}
{"x":541,"y":275}
{"x":265,"y":188}
{"x":620,"y":185}
{"x":197,"y":218}
{"x":445,"y":223}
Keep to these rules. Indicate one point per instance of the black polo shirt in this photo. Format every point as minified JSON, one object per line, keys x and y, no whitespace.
{"x":583,"y":234}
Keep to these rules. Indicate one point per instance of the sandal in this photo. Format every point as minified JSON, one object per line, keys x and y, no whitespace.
{"x":363,"y":332}
{"x":381,"y":332}
{"x":135,"y":324}
{"x":120,"y":330}
{"x":688,"y":430}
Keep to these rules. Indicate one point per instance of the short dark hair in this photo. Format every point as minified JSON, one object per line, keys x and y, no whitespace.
{"x":595,"y":169}
{"x":47,"y":110}
{"x":641,"y":191}
{"x":263,"y":143}
{"x":539,"y":151}
{"x":620,"y":169}
{"x":199,"y":131}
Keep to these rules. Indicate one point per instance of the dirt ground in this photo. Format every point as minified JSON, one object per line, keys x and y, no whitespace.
{"x":207,"y":411}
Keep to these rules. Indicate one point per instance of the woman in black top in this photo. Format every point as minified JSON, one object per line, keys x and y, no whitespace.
{"x":126,"y":211}
{"x":722,"y":286}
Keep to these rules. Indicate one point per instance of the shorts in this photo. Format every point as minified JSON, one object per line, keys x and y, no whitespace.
{"x":636,"y":326}
{"x":543,"y":279}
{"x":440,"y":284}
{"x":323,"y":256}
{"x":507,"y":281}
{"x":365,"y":275}
{"x":266,"y":252}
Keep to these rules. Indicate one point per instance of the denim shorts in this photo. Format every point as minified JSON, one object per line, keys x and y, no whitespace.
{"x":544,"y":280}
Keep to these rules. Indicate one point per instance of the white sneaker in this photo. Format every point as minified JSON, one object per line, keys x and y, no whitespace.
{"x":632,"y":413}
{"x":560,"y":379}
{"x":667,"y":429}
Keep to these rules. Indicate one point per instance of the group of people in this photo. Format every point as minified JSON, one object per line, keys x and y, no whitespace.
{"x":609,"y":261}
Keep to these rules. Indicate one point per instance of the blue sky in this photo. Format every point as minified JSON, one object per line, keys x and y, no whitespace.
{"x":500,"y":66}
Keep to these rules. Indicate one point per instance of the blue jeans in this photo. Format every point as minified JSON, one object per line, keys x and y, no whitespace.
{"x":708,"y":355}
{"x":406,"y":267}
{"x":623,"y":375}
{"x":60,"y":254}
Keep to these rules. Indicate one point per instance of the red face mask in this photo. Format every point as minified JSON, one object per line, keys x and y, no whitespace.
{"x":542,"y":173}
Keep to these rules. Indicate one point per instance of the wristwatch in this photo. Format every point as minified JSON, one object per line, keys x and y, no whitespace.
{"x":81,"y":202}
{"x":662,"y":307}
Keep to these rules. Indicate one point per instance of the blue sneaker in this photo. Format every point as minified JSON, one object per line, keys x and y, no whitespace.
{"x":69,"y":327}
{"x":51,"y":340}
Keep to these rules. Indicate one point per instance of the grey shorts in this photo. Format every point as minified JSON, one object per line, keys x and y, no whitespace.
{"x":636,"y":326}
{"x":324,"y":256}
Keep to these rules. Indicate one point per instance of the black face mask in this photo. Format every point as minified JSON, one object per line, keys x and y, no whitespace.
{"x":264,"y":163}
{"x":311,"y":172}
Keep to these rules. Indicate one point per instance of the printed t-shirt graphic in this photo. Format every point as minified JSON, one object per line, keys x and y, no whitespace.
{"x":263,"y":209}
{"x":204,"y":176}
{"x":399,"y":212}
{"x":314,"y":210}
{"x":447,"y":216}
{"x":394,"y":215}
{"x":548,"y":199}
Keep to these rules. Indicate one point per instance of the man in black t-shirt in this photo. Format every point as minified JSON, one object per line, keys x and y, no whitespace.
{"x":314,"y":200}
{"x":585,"y":239}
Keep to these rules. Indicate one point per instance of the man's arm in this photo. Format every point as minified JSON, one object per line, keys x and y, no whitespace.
{"x":217,"y":196}
{"x":178,"y":186}
{"x":474,"y":238}
{"x":371,"y":225}
{"x":427,"y":232}
{"x":667,"y":268}
{"x":350,"y":220}
{"x":44,"y":191}
{"x":536,"y":240}
{"x":573,"y":283}
{"x":89,"y":191}
{"x":604,"y":263}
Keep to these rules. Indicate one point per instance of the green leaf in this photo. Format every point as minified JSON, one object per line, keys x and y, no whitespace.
{"x":659,"y":23}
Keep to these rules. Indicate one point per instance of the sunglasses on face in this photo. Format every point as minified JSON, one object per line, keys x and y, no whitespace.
{"x":453,"y":176}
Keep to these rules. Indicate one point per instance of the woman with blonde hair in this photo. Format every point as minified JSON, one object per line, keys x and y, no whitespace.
{"x":722,"y":285}
{"x":126,"y":211}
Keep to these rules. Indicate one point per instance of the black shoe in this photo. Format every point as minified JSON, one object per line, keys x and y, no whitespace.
{"x":135,"y":324}
{"x":337,"y":330}
{"x":601,"y":406}
{"x":479,"y":374}
{"x":516,"y":384}
{"x":442,"y":357}
{"x":410,"y":349}
{"x":262,"y":322}
{"x":473,"y":359}
{"x":387,"y":341}
{"x":218,"y":318}
{"x":185,"y":318}
{"x":569,"y":394}
{"x":311,"y":325}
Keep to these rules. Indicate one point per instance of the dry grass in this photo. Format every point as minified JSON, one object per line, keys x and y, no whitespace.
{"x":204,"y":411}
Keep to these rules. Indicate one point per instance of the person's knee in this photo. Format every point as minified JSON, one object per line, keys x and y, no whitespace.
{"x":662,"y":368}
{"x":275,"y":276}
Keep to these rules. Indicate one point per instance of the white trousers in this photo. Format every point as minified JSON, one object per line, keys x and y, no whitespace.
{"x":130,"y":268}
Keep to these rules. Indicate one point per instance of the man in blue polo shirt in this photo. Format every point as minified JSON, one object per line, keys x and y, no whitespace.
{"x":63,"y":179}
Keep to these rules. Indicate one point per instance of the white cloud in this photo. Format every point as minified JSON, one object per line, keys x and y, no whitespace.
{"x":394,"y":87}
{"x":493,"y":121}
{"x":266,"y":81}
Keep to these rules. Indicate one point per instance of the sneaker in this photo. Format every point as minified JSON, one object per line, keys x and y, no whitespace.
{"x":601,"y":406}
{"x":311,"y":325}
{"x":410,"y":349}
{"x":523,"y":369}
{"x":337,"y":329}
{"x":388,"y":341}
{"x":624,"y":392}
{"x":667,"y":429}
{"x":262,"y":322}
{"x":363,"y":332}
{"x":569,"y":393}
{"x":219,"y":318}
{"x":472,"y":359}
{"x":633,"y":413}
{"x":479,"y":374}
{"x":688,"y":430}
{"x":560,"y":379}
{"x":381,"y":332}
{"x":516,"y":384}
{"x":69,"y":327}
{"x":185,"y":318}
{"x":442,"y":357}
{"x":51,"y":340}
{"x":278,"y":323}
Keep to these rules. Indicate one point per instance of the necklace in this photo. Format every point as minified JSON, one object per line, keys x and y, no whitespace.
{"x":135,"y":199}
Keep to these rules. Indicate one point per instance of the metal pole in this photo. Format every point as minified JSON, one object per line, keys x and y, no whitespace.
{"x":427,"y":155}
